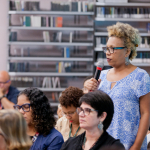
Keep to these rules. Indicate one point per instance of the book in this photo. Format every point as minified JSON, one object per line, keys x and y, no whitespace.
{"x":59,"y":21}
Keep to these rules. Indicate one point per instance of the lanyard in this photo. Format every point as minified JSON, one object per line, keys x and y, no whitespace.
{"x":35,"y":137}
{"x":71,"y":130}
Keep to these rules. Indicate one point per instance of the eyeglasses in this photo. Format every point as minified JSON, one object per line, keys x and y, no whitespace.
{"x":4,"y":82}
{"x":25,"y":107}
{"x":86,"y":111}
{"x":111,"y":49}
{"x":69,"y":114}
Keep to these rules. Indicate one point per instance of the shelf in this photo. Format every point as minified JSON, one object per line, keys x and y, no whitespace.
{"x":51,"y":28}
{"x":48,"y":74}
{"x":54,"y":104}
{"x":106,"y":34}
{"x":49,"y":59}
{"x":122,"y":4}
{"x":44,"y":89}
{"x":122,"y":19}
{"x":99,"y":49}
{"x":142,"y":64}
{"x":51,"y":43}
{"x":50,"y":13}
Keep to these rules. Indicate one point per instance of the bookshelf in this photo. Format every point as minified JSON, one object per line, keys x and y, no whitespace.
{"x":136,"y":14}
{"x":64,"y":60}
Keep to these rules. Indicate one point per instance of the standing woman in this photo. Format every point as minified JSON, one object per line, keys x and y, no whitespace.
{"x":36,"y":110}
{"x":127,"y":85}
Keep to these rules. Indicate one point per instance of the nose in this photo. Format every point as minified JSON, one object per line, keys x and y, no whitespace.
{"x":21,"y":111}
{"x":81,"y":114}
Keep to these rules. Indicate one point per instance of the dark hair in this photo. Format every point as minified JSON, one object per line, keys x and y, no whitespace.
{"x":70,"y":96}
{"x":42,"y":114}
{"x":102,"y":102}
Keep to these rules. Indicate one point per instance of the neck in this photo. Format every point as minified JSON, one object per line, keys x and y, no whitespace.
{"x":93,"y":134}
{"x":121,"y":68}
{"x":74,"y":125}
{"x":31,"y":130}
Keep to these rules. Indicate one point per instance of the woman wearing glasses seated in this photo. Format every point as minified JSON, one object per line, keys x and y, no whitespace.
{"x":36,"y":110}
{"x":127,"y":85}
{"x":13,"y":130}
{"x":68,"y":125}
{"x":95,"y":115}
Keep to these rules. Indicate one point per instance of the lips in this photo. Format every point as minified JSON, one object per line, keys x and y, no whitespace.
{"x":70,"y":120}
{"x":108,"y":59}
{"x":82,"y":121}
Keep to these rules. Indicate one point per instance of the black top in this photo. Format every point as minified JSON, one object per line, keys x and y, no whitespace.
{"x":12,"y":94}
{"x":75,"y":143}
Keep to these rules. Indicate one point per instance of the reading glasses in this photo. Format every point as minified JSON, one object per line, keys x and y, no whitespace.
{"x":111,"y":49}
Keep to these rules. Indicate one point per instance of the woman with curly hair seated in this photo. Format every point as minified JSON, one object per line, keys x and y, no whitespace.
{"x":13,"y":130}
{"x":36,"y":110}
{"x":68,"y":125}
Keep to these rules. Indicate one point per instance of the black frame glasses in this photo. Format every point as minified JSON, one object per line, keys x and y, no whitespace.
{"x":111,"y":49}
{"x":69,"y":114}
{"x":86,"y":111}
{"x":25,"y":107}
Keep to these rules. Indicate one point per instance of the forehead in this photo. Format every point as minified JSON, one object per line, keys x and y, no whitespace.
{"x":115,"y":41}
{"x":22,"y":99}
{"x":68,"y":109}
{"x":84,"y":105}
{"x":4,"y":77}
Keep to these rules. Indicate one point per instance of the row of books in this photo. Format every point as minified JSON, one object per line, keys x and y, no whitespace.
{"x":13,"y":36}
{"x":57,"y":37}
{"x":22,"y":5}
{"x":112,"y":1}
{"x":63,"y":67}
{"x":101,"y":41}
{"x":40,"y":21}
{"x":18,"y":67}
{"x":80,"y":6}
{"x":123,"y":12}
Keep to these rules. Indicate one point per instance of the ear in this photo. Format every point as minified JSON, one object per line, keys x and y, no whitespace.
{"x":103,"y":116}
{"x":128,"y":51}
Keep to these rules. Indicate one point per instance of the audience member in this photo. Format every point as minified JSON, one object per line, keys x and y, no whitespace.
{"x":68,"y":125}
{"x":36,"y":110}
{"x":13,"y":130}
{"x":95,"y":115}
{"x":127,"y":85}
{"x":59,"y":111}
{"x":8,"y":93}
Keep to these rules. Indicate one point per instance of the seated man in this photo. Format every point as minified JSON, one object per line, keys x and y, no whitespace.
{"x":8,"y":94}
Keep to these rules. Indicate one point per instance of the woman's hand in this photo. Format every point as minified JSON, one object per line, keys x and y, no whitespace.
{"x":91,"y":84}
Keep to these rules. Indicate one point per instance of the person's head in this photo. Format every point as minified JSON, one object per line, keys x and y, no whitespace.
{"x":95,"y":107}
{"x":4,"y":80}
{"x":36,"y":109}
{"x":69,"y":101}
{"x":13,"y":127}
{"x":125,"y":38}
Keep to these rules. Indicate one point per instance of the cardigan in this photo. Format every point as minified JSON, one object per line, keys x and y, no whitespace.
{"x":75,"y":143}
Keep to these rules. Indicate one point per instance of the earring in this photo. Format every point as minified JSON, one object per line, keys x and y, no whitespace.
{"x":127,"y":61}
{"x":100,"y":125}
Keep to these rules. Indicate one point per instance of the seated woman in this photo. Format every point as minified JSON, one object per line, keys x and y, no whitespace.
{"x":13,"y":130}
{"x":68,"y":125}
{"x":95,"y":115}
{"x":36,"y":110}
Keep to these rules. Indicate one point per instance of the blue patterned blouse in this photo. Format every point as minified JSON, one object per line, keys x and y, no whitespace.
{"x":125,"y":95}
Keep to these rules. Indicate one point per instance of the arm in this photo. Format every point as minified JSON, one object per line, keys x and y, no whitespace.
{"x":3,"y":145}
{"x":144,"y":121}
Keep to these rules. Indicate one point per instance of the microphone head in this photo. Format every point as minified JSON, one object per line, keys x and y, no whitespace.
{"x":99,"y":65}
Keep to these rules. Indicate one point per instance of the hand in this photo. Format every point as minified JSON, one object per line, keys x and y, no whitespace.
{"x":1,"y":92}
{"x":92,"y":84}
{"x":133,"y":147}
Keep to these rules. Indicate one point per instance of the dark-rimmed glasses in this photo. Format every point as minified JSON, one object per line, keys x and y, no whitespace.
{"x":4,"y":82}
{"x":25,"y":107}
{"x":86,"y":111}
{"x":111,"y":49}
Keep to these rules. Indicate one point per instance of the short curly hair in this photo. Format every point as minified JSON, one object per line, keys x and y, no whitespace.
{"x":42,"y":114}
{"x":129,"y":34}
{"x":70,"y":96}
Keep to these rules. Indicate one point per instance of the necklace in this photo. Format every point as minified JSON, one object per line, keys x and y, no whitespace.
{"x":71,"y":130}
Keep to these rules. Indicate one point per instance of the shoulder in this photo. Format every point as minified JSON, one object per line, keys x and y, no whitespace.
{"x":140,"y":73}
{"x":55,"y":133}
{"x":63,"y":121}
{"x":13,"y":89}
{"x":103,"y":73}
{"x":114,"y":142}
{"x":73,"y":142}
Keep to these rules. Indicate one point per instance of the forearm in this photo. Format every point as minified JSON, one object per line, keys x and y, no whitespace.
{"x":142,"y":131}
{"x":6,"y":103}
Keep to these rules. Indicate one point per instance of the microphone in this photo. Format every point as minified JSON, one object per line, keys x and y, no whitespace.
{"x":98,"y":70}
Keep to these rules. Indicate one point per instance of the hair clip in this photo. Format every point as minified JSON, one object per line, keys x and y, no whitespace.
{"x":136,"y":45}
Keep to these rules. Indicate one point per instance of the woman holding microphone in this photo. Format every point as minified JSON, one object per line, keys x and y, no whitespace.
{"x":127,"y":85}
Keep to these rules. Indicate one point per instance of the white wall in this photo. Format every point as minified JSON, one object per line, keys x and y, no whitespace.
{"x":3,"y":34}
